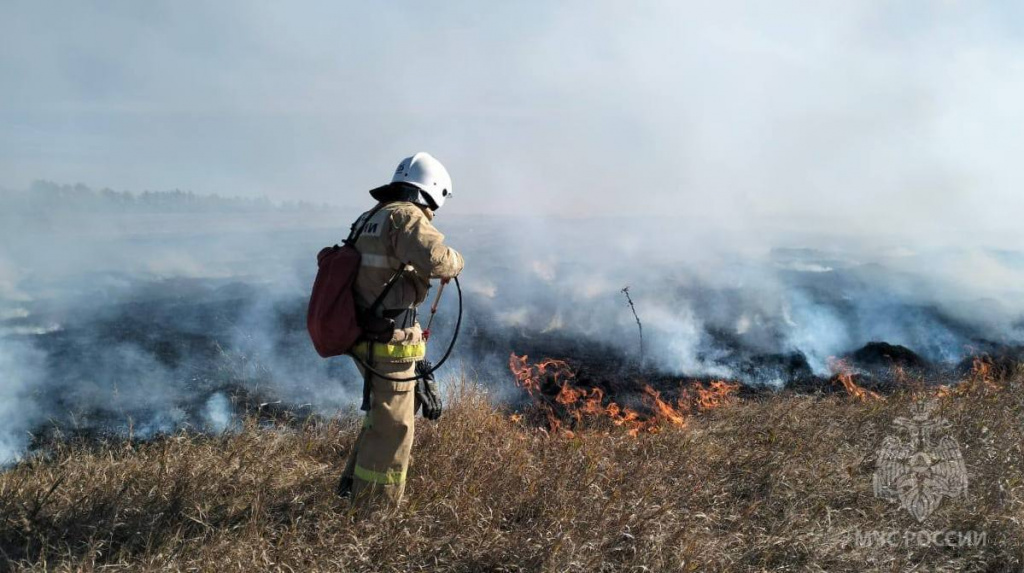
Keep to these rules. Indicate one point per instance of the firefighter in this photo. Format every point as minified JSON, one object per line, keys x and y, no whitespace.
{"x":397,"y":234}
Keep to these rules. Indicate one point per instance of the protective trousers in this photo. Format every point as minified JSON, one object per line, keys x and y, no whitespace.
{"x":379,"y":461}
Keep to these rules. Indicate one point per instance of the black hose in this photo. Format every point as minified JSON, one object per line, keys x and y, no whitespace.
{"x":447,"y":353}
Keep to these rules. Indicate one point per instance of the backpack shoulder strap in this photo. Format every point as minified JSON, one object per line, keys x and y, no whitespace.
{"x":353,"y":234}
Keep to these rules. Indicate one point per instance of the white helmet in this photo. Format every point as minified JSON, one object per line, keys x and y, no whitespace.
{"x":426,"y":173}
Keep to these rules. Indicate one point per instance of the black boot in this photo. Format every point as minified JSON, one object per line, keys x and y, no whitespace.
{"x":345,"y":487}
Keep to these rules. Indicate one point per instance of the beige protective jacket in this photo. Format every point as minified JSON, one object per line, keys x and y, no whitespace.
{"x":401,"y":233}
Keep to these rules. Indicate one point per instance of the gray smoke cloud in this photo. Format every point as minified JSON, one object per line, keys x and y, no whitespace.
{"x":143,"y":314}
{"x":708,"y":305}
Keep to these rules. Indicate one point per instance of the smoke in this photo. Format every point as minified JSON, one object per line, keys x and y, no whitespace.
{"x":218,"y":412}
{"x":712,"y":309}
{"x":148,"y":314}
{"x":20,"y":366}
{"x":112,"y":326}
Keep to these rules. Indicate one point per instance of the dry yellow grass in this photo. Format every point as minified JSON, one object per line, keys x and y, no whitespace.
{"x":780,"y":484}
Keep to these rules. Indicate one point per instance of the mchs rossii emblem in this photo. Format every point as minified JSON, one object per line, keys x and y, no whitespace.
{"x":920,"y":463}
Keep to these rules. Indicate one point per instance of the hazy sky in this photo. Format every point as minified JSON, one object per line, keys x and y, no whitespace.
{"x":855,"y":114}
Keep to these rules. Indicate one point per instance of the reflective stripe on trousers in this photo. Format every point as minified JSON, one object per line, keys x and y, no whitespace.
{"x":383,"y":478}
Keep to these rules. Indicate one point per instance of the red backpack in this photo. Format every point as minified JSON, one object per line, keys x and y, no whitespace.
{"x":332,"y":319}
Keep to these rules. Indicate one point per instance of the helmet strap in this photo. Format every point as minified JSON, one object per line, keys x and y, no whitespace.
{"x":427,"y":201}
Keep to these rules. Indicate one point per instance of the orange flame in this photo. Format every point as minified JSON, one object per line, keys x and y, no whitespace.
{"x":663,"y":409}
{"x":717,"y":394}
{"x":844,"y":375}
{"x":982,"y":374}
{"x":578,"y":403}
{"x":981,"y":378}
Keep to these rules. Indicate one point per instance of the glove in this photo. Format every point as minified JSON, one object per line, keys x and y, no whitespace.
{"x":427,"y":395}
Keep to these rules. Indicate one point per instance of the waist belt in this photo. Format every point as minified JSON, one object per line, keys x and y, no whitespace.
{"x":390,"y":352}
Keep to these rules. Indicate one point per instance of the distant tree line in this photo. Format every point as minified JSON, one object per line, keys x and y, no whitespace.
{"x":48,"y":196}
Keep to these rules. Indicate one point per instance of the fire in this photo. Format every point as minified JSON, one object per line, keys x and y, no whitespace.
{"x":663,"y":409}
{"x":562,"y":395}
{"x":981,"y":378}
{"x":553,"y":387}
{"x":862,"y":394}
{"x":717,"y":394}
{"x":982,"y":375}
{"x":844,"y":375}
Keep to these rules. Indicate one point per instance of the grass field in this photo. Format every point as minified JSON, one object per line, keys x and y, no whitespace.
{"x":780,"y":483}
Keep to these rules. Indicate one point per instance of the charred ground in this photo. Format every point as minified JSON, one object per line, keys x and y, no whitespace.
{"x":151,"y":359}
